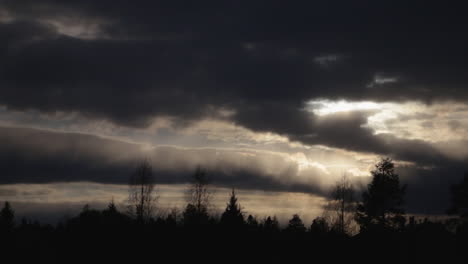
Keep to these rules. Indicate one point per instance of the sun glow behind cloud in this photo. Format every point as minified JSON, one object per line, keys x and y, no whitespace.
{"x":326,"y":107}
{"x":413,"y":120}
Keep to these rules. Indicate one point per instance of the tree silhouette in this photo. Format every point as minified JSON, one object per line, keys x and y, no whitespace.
{"x":296,"y":225}
{"x":270,"y":224}
{"x":193,"y":216}
{"x":382,"y":202}
{"x":172,"y":218}
{"x":198,"y":196}
{"x":199,"y":193}
{"x":7,"y":217}
{"x":142,"y":200}
{"x":341,"y":207}
{"x":252,"y":222}
{"x":319,"y":226}
{"x":113,"y":217}
{"x":459,"y":198}
{"x":232,"y":216}
{"x":111,"y":209}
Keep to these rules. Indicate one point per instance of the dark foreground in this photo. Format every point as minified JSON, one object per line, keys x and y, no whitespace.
{"x":96,"y":238}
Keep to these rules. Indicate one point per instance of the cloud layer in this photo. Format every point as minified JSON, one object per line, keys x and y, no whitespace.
{"x":261,"y":60}
{"x":38,"y":156}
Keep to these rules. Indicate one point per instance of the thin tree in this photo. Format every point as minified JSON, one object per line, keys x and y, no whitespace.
{"x":459,"y":198}
{"x":199,"y":194}
{"x":341,"y":207}
{"x":382,"y":202}
{"x":142,"y":198}
{"x":198,"y":198}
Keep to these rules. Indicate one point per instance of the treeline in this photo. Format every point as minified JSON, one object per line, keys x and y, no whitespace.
{"x":371,"y":229}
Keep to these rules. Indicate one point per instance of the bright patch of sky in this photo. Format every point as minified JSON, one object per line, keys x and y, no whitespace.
{"x":69,"y":198}
{"x":438,"y":122}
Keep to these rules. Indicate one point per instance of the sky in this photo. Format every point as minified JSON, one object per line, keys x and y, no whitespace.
{"x":274,"y":98}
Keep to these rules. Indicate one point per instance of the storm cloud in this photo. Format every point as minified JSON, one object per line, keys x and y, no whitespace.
{"x":260,"y":59}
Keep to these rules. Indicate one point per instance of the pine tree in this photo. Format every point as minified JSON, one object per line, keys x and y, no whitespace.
{"x":233,"y":215}
{"x":252,"y":222}
{"x":270,"y":224}
{"x":296,"y":225}
{"x":459,"y":195}
{"x":7,"y":217}
{"x":382,"y":203}
{"x":319,"y":226}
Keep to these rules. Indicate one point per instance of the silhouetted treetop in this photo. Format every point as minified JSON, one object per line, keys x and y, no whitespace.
{"x":382,"y":202}
{"x":252,"y":222}
{"x":459,"y":198}
{"x":7,"y":216}
{"x":319,"y":226}
{"x":199,"y":194}
{"x":295,"y":225}
{"x":198,"y":198}
{"x":341,"y":207}
{"x":233,"y":215}
{"x":270,"y":224}
{"x":142,"y":200}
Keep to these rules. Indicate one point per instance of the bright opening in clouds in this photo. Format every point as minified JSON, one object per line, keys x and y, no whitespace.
{"x":325,"y":107}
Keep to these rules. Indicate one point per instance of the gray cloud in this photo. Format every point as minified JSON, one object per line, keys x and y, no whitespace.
{"x":454,"y":124}
{"x":37,"y":156}
{"x":427,"y":124}
{"x":184,"y":61}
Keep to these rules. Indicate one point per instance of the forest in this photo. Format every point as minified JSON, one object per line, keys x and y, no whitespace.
{"x":371,"y":228}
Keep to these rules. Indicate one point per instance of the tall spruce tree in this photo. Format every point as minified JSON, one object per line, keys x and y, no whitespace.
{"x":382,"y":202}
{"x":232,"y":216}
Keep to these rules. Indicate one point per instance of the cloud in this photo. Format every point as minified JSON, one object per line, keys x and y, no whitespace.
{"x":454,"y":124}
{"x":184,"y":61}
{"x":38,"y":156}
{"x":427,"y":124}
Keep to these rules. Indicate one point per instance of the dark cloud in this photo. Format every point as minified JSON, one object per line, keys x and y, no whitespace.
{"x":427,"y":124}
{"x":183,"y":59}
{"x":347,"y":130}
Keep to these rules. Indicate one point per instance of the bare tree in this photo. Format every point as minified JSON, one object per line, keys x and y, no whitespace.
{"x":199,"y":194}
{"x":142,"y":198}
{"x":198,"y":197}
{"x":341,"y":207}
